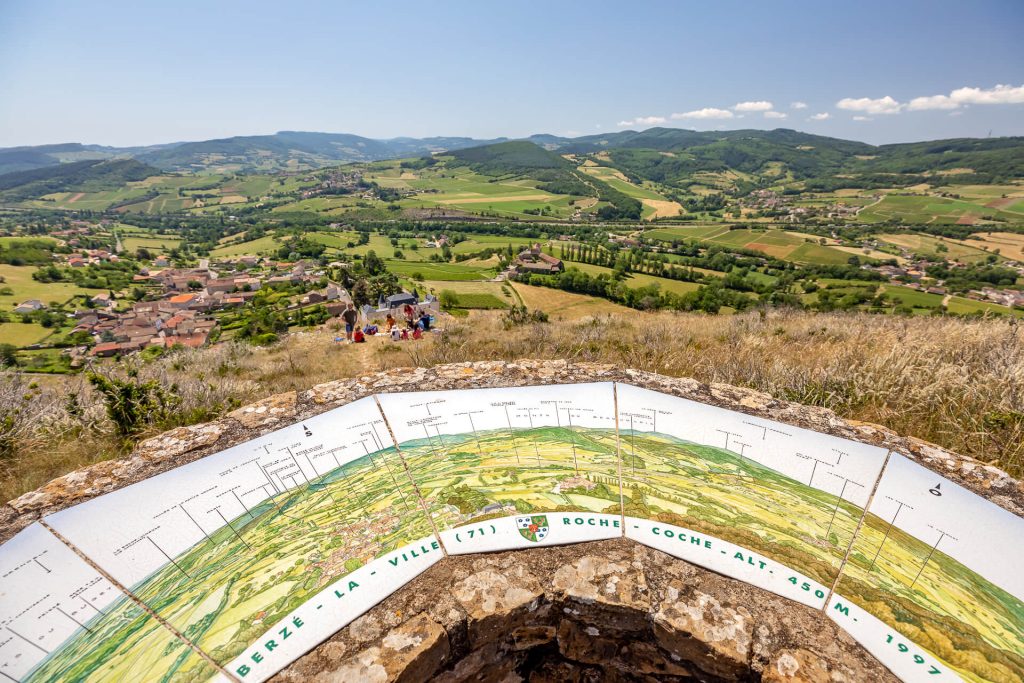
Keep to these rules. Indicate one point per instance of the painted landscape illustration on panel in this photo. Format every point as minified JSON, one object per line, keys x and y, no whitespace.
{"x":240,"y":579}
{"x":723,"y":494}
{"x":469,"y":478}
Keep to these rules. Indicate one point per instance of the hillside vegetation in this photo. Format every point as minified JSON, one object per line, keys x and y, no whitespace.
{"x":695,"y":151}
{"x":82,"y":176}
{"x":954,"y":382}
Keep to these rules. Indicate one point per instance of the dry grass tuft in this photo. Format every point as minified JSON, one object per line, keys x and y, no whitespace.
{"x":956,"y":382}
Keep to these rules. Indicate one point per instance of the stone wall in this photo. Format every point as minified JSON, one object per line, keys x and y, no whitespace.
{"x":605,"y":611}
{"x":185,"y":444}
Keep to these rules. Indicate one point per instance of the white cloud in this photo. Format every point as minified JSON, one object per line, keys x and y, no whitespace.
{"x":705,"y":113}
{"x":862,"y":118}
{"x":760,"y":105}
{"x":882,"y":105}
{"x":774,"y":115}
{"x":1000,"y":94}
{"x":823,"y":116}
{"x":933,"y":102}
{"x":643,"y":121}
{"x":798,"y":105}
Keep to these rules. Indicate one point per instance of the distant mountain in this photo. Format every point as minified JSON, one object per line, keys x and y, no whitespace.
{"x":294,"y":150}
{"x":672,"y":156}
{"x":78,"y":176}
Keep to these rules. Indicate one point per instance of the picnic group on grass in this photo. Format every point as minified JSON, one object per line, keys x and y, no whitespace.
{"x":416,"y":321}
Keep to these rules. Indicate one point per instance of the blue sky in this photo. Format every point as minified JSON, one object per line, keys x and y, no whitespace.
{"x":125,"y":73}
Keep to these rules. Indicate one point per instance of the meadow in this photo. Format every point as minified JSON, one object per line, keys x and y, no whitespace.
{"x":259,"y":247}
{"x":437,"y":271}
{"x":154,"y":243}
{"x":23,"y":334}
{"x":19,"y":279}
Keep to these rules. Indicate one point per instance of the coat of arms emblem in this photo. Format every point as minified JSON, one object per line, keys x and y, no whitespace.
{"x":534,"y":528}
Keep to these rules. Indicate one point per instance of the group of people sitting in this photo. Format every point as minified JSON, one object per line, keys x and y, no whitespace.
{"x":417,"y":321}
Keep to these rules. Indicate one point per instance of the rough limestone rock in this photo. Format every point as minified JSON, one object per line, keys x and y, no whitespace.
{"x":496,"y":602}
{"x":797,"y":666}
{"x":606,"y":611}
{"x":409,"y":653}
{"x":715,"y":637}
{"x":269,"y":411}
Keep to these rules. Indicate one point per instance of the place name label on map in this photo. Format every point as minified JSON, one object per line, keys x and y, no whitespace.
{"x":332,"y":608}
{"x":531,"y":529}
{"x":729,"y":559}
{"x":901,"y":656}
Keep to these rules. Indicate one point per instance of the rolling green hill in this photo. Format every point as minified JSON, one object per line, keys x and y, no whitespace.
{"x":80,"y":176}
{"x":552,"y":173}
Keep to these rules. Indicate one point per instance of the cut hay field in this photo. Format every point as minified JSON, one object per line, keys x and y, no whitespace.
{"x":467,"y":287}
{"x":928,"y":245}
{"x":1009,"y":244}
{"x":778,"y":243}
{"x":19,"y":279}
{"x":566,"y":306}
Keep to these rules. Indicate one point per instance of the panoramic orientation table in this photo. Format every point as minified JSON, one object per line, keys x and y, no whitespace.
{"x":232,"y":566}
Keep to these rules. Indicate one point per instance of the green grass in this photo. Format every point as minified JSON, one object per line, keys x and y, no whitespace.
{"x":485,"y":301}
{"x":263,"y":245}
{"x":51,"y":361}
{"x":818,"y":254}
{"x":439,"y":271}
{"x":637,"y":280}
{"x":19,"y":279}
{"x":958,"y":304}
{"x":23,"y":334}
{"x":153,"y":244}
{"x":912,"y":297}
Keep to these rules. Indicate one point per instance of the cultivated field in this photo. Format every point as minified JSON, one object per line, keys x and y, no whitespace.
{"x":931,"y":246}
{"x":1009,"y":244}
{"x":935,"y":210}
{"x":777,"y":243}
{"x":655,"y":205}
{"x":566,"y":306}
